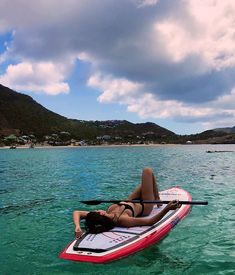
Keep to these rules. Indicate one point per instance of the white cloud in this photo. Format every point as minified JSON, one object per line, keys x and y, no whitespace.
{"x":162,"y":61}
{"x":220,"y":113}
{"x":43,"y":77}
{"x":146,"y":105}
{"x":149,"y":106}
{"x":146,"y":3}
{"x":212,"y":36}
{"x":114,"y":89}
{"x":226,"y":102}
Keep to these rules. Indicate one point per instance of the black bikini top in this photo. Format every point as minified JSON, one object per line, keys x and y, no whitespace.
{"x":127,"y":206}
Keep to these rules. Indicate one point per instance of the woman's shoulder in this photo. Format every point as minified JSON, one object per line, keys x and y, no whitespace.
{"x":112,"y":207}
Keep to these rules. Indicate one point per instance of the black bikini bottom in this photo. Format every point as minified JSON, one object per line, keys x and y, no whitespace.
{"x":142,"y":205}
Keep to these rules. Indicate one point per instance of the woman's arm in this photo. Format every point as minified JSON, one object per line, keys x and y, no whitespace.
{"x":77,"y":216}
{"x":129,"y":221}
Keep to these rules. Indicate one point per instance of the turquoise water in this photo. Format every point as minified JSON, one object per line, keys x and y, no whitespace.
{"x":39,"y":189}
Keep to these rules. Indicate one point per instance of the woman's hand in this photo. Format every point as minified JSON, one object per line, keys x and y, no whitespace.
{"x":78,"y":232}
{"x":172,"y":205}
{"x":77,"y":215}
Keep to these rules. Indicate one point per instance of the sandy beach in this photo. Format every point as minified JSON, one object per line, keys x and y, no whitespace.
{"x":86,"y":146}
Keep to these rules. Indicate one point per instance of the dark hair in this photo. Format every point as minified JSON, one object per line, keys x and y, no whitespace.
{"x":96,"y":223}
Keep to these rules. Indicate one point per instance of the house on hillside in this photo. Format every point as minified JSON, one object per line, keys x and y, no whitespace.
{"x":189,"y":142}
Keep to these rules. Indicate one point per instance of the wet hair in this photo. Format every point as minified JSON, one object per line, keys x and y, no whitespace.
{"x":96,"y":223}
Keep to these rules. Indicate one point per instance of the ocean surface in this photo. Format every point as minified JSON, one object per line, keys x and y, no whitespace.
{"x":40,"y":188}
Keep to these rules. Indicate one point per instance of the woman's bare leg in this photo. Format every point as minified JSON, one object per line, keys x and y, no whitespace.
{"x":149,"y":189}
{"x":136,"y":193}
{"x":155,"y":189}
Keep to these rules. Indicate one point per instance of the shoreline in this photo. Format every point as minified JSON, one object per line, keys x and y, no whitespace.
{"x":107,"y":146}
{"x":90,"y":146}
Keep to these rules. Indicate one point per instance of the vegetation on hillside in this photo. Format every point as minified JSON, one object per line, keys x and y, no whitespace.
{"x":22,"y":116}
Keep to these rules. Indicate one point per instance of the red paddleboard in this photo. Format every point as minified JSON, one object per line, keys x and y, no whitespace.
{"x":122,"y":241}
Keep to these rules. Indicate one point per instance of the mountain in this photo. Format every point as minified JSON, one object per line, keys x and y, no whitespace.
{"x":20,"y":114}
{"x":208,"y":137}
{"x":227,"y":130}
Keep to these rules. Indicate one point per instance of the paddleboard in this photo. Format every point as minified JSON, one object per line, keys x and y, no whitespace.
{"x":122,"y":241}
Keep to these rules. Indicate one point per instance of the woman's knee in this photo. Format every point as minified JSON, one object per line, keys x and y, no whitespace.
{"x":147,"y":171}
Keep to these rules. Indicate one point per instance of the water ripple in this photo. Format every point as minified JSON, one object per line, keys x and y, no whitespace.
{"x":40,"y":189}
{"x":27,"y":206}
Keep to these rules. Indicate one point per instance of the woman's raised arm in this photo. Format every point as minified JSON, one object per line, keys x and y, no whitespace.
{"x":129,"y":221}
{"x":77,"y":216}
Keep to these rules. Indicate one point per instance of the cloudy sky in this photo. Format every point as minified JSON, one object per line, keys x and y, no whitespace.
{"x":171,"y":62}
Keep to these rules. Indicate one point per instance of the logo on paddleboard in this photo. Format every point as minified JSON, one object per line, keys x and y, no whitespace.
{"x":175,"y":221}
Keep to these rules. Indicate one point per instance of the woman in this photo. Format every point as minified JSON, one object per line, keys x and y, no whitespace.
{"x":125,"y":214}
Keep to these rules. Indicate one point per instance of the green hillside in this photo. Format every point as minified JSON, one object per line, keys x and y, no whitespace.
{"x":20,"y":114}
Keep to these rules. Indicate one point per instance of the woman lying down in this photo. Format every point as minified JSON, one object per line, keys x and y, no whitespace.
{"x":126,"y":214}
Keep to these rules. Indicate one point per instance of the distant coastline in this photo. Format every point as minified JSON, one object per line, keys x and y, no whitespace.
{"x":112,"y":146}
{"x":25,"y":121}
{"x":90,"y":146}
